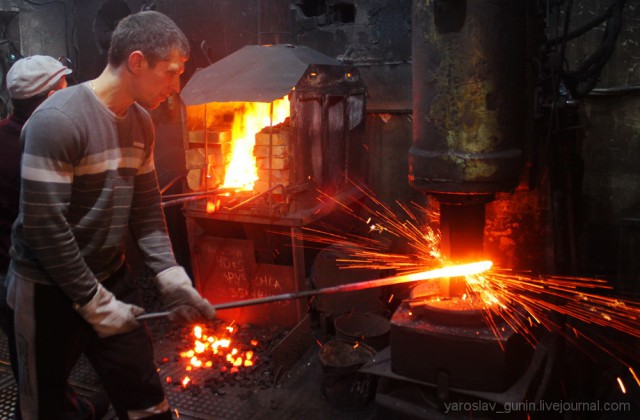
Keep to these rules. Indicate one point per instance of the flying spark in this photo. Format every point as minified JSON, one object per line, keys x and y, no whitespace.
{"x":524,"y":301}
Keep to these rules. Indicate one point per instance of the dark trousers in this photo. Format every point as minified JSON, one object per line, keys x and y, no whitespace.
{"x":74,"y":407}
{"x":6,"y":323}
{"x":58,"y":335}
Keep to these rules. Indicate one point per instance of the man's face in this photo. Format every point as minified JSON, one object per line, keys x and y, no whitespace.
{"x":156,"y":84}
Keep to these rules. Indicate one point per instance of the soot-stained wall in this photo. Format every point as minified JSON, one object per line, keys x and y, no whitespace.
{"x":375,"y":35}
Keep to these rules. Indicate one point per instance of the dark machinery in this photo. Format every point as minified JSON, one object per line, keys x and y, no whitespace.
{"x":469,"y":103}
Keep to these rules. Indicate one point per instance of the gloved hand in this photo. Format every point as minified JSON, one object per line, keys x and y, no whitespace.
{"x":109,"y":316}
{"x":181,"y":298}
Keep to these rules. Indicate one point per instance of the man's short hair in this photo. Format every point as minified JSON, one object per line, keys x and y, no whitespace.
{"x":151,"y":32}
{"x":34,"y":75}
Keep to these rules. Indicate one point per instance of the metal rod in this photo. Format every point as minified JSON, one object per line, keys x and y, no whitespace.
{"x":255,"y":197}
{"x":200,"y":195}
{"x":177,"y":201}
{"x":450,"y":271}
{"x":214,"y":191}
{"x":203,"y":182}
{"x":270,"y":178}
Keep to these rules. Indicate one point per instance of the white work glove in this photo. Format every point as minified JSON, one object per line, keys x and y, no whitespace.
{"x":109,"y":316}
{"x":181,"y":298}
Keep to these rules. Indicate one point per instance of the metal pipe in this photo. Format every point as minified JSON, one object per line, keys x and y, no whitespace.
{"x":462,"y":230}
{"x":469,"y":96}
{"x":255,"y":197}
{"x":450,"y":271}
{"x":214,"y":191}
{"x":171,"y":183}
{"x":184,"y":198}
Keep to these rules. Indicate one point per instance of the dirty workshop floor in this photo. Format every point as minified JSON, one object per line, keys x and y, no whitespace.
{"x":290,"y":380}
{"x":273,"y":394}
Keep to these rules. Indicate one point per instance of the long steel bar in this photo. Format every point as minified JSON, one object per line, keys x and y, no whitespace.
{"x":450,"y":271}
{"x":174,"y":199}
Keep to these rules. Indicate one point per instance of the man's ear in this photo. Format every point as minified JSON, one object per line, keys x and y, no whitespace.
{"x":136,"y":60}
{"x":61,"y":84}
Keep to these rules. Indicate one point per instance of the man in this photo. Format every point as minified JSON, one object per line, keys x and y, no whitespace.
{"x":30,"y":81}
{"x":87,"y":180}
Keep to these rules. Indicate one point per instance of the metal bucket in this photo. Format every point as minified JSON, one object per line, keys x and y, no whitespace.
{"x":342,"y":384}
{"x":367,"y":328}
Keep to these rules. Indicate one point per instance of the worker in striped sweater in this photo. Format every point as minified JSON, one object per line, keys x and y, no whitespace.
{"x":88,"y":179}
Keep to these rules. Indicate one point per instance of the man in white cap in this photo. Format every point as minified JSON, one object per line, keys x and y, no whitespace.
{"x":30,"y":81}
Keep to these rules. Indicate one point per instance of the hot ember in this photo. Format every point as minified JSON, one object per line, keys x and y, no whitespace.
{"x":206,"y":348}
{"x":218,"y":354}
{"x":216,"y":350}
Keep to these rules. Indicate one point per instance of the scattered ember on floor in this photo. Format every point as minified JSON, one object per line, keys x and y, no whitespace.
{"x":221,"y":354}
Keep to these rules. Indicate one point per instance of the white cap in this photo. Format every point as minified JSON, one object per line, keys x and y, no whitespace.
{"x":32,"y":75}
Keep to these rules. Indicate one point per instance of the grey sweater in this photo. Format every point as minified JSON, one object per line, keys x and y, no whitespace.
{"x":87,"y":177}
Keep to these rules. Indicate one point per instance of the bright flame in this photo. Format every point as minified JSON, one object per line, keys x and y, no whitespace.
{"x":250,"y":119}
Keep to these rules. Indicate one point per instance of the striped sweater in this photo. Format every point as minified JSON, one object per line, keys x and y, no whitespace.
{"x":87,"y":178}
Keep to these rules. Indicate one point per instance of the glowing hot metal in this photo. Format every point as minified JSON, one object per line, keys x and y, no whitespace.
{"x":449,"y":271}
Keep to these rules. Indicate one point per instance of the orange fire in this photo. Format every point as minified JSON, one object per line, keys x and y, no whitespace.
{"x":210,"y":351}
{"x":222,"y":144}
{"x":249,"y":119}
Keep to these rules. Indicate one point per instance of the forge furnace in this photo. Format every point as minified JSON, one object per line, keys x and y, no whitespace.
{"x":245,"y":237}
